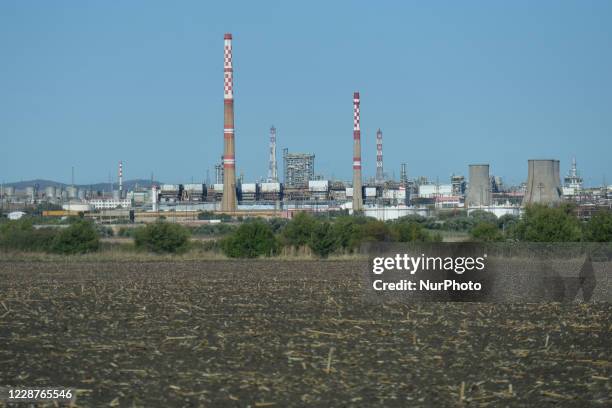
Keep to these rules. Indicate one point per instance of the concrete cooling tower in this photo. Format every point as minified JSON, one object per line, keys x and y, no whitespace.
{"x":479,"y":189}
{"x":543,"y":183}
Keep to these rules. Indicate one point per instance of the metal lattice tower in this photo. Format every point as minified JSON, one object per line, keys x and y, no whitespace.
{"x":403,"y":176}
{"x":272,"y":168}
{"x":357,"y":196}
{"x":228,"y":202}
{"x":380,"y":178}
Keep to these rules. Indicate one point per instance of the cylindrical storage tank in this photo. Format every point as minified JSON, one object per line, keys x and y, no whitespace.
{"x":543,"y":182}
{"x":81,"y":194}
{"x":50,"y":192}
{"x":479,"y":189}
{"x":9,"y":191}
{"x":116,"y":195}
{"x":30,"y":191}
{"x":72,"y":192}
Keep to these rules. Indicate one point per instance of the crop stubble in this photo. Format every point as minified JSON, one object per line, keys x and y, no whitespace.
{"x":283,"y":333}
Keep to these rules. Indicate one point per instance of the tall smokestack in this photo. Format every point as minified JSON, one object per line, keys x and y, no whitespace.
{"x":272,"y":168}
{"x":380,"y":178}
{"x":121,"y":179}
{"x":357,"y":199}
{"x":229,"y":154}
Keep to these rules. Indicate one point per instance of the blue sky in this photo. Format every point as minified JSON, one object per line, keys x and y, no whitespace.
{"x":87,"y":84}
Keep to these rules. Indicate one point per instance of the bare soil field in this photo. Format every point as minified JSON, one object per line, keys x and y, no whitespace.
{"x":282,"y":333}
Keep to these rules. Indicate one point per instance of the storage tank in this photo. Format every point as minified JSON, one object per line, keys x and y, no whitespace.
{"x":249,"y":188}
{"x":50,"y":192}
{"x":9,"y":191}
{"x":479,"y":189}
{"x":169,"y":187}
{"x":370,"y":192}
{"x":30,"y":192}
{"x":72,"y":192}
{"x":194,"y":187}
{"x":270,"y":187}
{"x":543,"y":182}
{"x":318,"y":185}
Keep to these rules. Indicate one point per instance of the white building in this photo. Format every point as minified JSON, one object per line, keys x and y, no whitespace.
{"x":107,"y":204}
{"x":435,"y":190}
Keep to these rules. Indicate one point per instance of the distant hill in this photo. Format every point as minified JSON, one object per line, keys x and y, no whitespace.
{"x":127,"y":184}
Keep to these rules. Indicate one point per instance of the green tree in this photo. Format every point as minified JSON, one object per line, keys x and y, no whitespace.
{"x":486,"y":232}
{"x":323,"y":241}
{"x":483,"y":216}
{"x":250,"y":240}
{"x":348,"y":232}
{"x":298,"y":231}
{"x":78,"y":238}
{"x":507,"y":223}
{"x":599,"y":227}
{"x":162,"y":237}
{"x":548,"y":224}
{"x":375,"y":230}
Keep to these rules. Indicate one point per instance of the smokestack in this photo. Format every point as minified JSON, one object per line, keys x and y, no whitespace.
{"x":357,"y":198}
{"x":121,"y":179}
{"x":272,"y":168}
{"x":380,"y":178}
{"x":229,"y":159}
{"x":543,"y":182}
{"x":479,"y":190}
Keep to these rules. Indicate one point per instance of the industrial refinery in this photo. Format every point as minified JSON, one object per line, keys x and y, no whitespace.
{"x":304,"y":188}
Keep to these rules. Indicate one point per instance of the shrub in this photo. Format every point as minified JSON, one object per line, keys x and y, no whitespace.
{"x":322,"y":241}
{"x":250,"y":240}
{"x":486,"y":232}
{"x":375,"y":230}
{"x":599,"y":227}
{"x":548,"y":224}
{"x":298,"y":231}
{"x":347,"y":232}
{"x":483,"y":216}
{"x":410,"y":232}
{"x":507,"y":222}
{"x":460,"y":223}
{"x":21,"y":235}
{"x":78,"y":238}
{"x":162,"y":237}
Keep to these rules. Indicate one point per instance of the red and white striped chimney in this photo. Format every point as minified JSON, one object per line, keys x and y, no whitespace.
{"x":121,"y":179}
{"x":357,"y":196}
{"x":380,"y":177}
{"x":228,"y":202}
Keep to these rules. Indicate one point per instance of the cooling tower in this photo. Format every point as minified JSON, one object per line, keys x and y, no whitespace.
{"x":479,"y":190}
{"x":543,"y":182}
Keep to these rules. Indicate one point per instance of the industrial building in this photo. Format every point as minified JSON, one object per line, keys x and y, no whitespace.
{"x":298,"y":169}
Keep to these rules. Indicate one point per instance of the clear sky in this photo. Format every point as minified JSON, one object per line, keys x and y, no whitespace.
{"x":89,"y":83}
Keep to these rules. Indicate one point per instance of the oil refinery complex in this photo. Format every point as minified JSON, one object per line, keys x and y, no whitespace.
{"x":302,"y":189}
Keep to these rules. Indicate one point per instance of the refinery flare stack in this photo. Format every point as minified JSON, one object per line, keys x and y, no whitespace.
{"x":357,"y":198}
{"x":228,"y":202}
